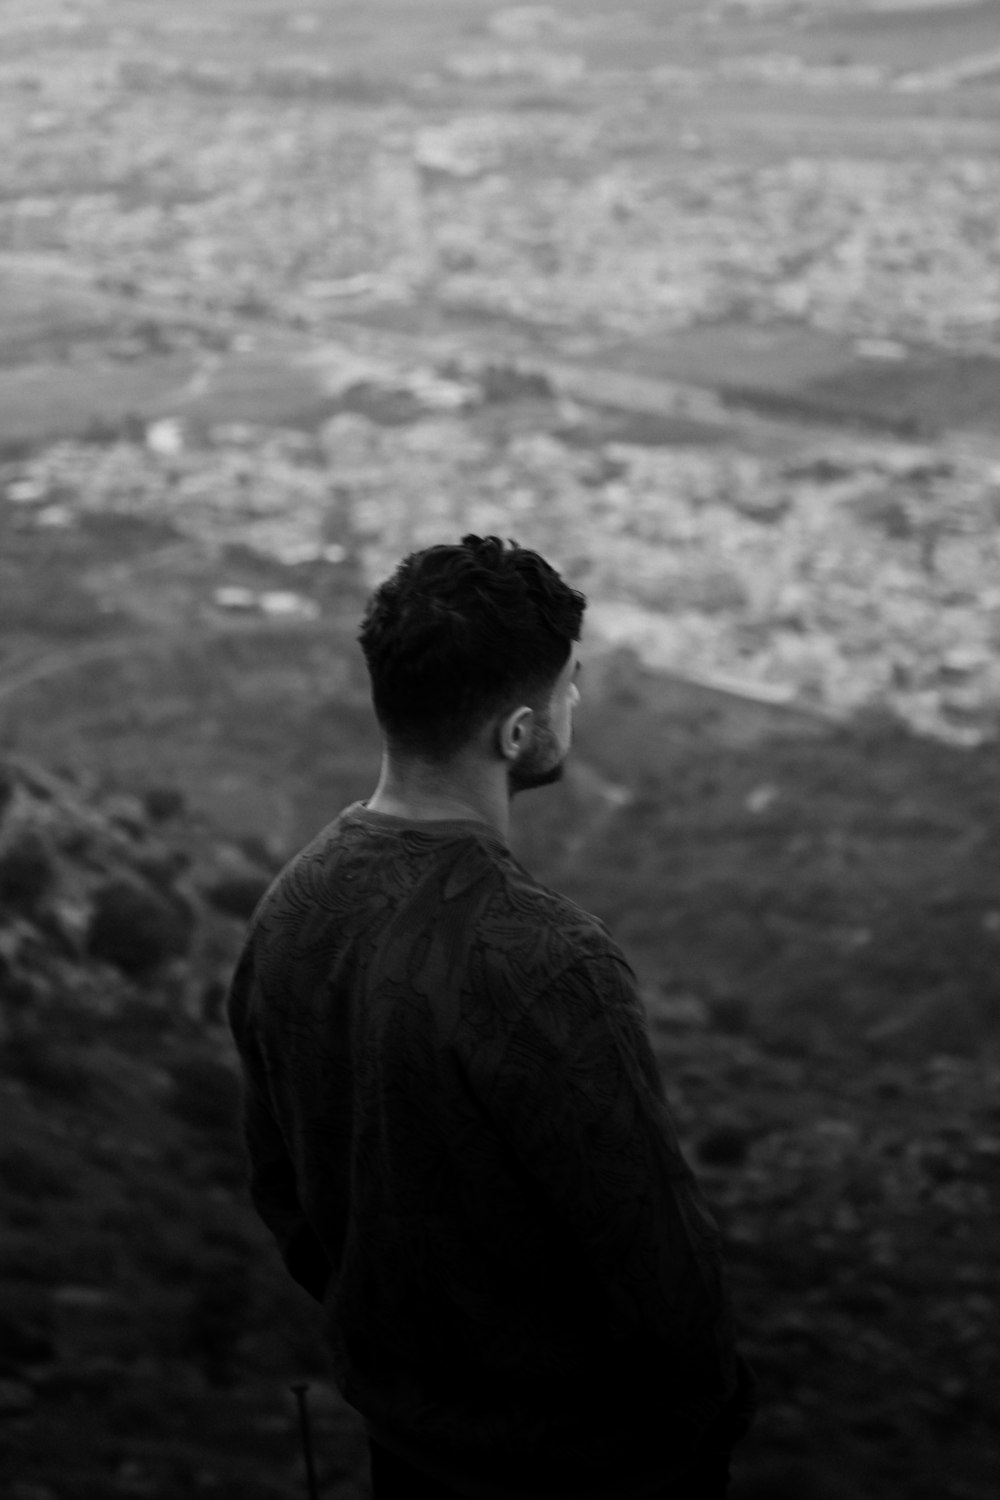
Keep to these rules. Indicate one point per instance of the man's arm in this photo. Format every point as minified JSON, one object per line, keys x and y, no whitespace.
{"x":272,"y":1172}
{"x":579,"y":1099}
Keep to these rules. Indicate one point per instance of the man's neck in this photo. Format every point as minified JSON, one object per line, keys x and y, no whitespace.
{"x":427,"y":796}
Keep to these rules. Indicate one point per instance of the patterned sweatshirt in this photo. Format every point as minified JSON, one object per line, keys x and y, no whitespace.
{"x":458,"y":1135}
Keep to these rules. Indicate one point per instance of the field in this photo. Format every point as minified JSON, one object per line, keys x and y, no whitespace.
{"x":703,"y":301}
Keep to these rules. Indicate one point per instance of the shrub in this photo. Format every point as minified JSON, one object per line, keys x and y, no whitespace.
{"x":18,"y":991}
{"x":27,"y":870}
{"x":26,"y":1174}
{"x":25,"y":1329}
{"x":260,"y":852}
{"x":31,"y":1261}
{"x":205,"y":1093}
{"x":218,"y":1316}
{"x":730,"y":1014}
{"x":135,"y":929}
{"x":79,"y":843}
{"x":725,"y":1146}
{"x":161,"y":868}
{"x":44,"y":1066}
{"x":162,"y":803}
{"x":237,"y":895}
{"x":508,"y":383}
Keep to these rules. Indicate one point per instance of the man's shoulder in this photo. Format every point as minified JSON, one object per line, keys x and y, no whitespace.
{"x":510,"y":915}
{"x":296,"y":883}
{"x":529,"y":899}
{"x":529,"y":923}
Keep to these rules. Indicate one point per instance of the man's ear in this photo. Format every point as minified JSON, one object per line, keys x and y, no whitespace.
{"x":514,"y":732}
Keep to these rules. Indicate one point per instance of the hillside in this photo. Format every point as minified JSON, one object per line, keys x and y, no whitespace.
{"x":149,"y":1335}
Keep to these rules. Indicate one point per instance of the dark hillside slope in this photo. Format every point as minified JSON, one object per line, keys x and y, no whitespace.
{"x":825,"y":879}
{"x":147,"y":1334}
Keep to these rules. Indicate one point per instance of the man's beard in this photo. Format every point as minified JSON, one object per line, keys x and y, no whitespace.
{"x":540,"y":765}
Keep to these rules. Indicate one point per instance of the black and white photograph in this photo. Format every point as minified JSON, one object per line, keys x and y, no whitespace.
{"x":499,"y":750}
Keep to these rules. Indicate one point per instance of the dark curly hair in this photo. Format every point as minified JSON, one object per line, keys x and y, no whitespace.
{"x":461,"y":632}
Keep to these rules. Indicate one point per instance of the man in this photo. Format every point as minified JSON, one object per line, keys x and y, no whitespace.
{"x":456,"y":1128}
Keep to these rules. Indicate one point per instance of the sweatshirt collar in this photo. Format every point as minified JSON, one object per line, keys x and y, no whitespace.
{"x":359,"y":812}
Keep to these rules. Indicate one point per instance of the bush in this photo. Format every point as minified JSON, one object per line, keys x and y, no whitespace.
{"x":508,"y":383}
{"x":259,"y":852}
{"x":6,"y":789}
{"x":27,"y":870}
{"x":26,"y":1174}
{"x":725,"y":1146}
{"x":32,"y":1058}
{"x":162,"y":867}
{"x":135,"y":929}
{"x":163,"y":803}
{"x":25,"y":1329}
{"x":205,"y":1094}
{"x":217,"y":1317}
{"x":237,"y":895}
{"x":18,"y":991}
{"x":730,"y":1014}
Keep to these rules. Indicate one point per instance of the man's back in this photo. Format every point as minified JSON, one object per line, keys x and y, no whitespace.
{"x":458,"y":1134}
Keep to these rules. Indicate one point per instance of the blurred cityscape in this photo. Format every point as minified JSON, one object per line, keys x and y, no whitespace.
{"x":737,"y":268}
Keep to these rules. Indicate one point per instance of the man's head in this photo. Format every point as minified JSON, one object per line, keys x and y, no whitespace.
{"x":474,"y":645}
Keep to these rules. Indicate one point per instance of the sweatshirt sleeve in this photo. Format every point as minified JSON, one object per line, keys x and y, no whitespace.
{"x":580,"y":1101}
{"x":273,"y":1187}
